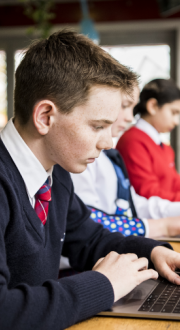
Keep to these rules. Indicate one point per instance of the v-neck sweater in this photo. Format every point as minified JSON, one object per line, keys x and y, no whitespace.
{"x":150,"y":166}
{"x":31,"y":297}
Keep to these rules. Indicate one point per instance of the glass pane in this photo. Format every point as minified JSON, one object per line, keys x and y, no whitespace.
{"x":3,"y":90}
{"x":149,"y":62}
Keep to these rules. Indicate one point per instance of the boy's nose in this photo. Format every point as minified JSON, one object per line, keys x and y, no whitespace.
{"x":109,"y":145}
{"x":176,"y":121}
{"x":105,"y":143}
{"x":129,"y":118}
{"x":129,"y":115}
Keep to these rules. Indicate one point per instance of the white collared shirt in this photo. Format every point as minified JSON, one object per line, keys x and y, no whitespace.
{"x":144,"y":126}
{"x":31,"y":170}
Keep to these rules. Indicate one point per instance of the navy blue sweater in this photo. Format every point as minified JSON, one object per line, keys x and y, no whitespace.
{"x":30,"y":295}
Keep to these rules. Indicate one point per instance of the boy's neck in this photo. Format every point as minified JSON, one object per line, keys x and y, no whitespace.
{"x":34,"y":141}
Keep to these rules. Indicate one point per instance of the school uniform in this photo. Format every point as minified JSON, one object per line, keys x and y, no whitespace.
{"x":97,"y":186}
{"x":104,"y":186}
{"x":150,"y":163}
{"x":30,"y":295}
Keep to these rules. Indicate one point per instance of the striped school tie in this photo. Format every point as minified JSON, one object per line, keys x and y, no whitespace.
{"x":43,"y":197}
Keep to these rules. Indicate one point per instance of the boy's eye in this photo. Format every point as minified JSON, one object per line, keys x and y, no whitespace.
{"x":175,"y":113}
{"x":125,"y":105}
{"x":99,"y":127}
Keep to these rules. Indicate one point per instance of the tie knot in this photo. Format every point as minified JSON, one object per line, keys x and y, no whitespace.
{"x":44,"y":193}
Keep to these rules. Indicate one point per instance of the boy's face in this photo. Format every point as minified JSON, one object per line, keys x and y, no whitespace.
{"x":125,"y":116}
{"x":76,"y":139}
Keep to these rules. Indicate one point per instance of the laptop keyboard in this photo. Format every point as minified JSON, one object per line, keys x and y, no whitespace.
{"x":165,"y":298}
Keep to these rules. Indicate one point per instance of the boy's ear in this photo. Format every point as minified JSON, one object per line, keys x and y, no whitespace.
{"x":43,"y":116}
{"x":152,"y":106}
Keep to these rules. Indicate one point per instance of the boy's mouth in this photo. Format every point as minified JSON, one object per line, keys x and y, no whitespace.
{"x":91,"y":160}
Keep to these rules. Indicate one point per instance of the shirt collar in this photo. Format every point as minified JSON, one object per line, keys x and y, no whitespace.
{"x":31,"y":170}
{"x":144,"y":126}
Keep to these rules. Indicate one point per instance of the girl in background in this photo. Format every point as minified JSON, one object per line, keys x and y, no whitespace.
{"x":149,"y":162}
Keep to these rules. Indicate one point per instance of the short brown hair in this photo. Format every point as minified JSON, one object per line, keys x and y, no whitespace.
{"x":62,"y":69}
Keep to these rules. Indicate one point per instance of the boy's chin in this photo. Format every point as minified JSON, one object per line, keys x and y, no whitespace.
{"x":79,"y":168}
{"x":116,"y":133}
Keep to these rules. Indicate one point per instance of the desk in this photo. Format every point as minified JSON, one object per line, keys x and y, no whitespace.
{"x":113,"y":323}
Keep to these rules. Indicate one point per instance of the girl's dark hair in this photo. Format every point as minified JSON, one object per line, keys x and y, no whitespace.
{"x":163,"y":90}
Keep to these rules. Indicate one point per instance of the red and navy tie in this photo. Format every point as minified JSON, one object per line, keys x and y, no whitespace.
{"x":43,"y":197}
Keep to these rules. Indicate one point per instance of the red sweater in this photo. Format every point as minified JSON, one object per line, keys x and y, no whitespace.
{"x":150,"y":166}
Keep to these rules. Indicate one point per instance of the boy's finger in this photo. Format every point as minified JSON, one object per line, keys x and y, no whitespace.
{"x":98,"y":262}
{"x":170,"y":275}
{"x":141,"y":263}
{"x":147,"y":274}
{"x":132,"y":256}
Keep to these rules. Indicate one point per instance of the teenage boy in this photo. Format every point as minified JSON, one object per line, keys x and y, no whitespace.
{"x":67,"y":95}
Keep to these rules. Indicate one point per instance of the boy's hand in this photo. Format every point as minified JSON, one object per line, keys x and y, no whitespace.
{"x":124,"y":271}
{"x":164,"y":227}
{"x":173,"y":226}
{"x":166,"y":261}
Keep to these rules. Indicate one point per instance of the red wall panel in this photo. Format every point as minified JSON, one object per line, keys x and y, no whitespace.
{"x":100,"y":11}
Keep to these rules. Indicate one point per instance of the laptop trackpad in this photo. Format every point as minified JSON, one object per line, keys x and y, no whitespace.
{"x":134,"y":299}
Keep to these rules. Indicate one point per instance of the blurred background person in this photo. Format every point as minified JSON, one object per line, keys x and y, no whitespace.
{"x":149,"y":162}
{"x":104,"y":187}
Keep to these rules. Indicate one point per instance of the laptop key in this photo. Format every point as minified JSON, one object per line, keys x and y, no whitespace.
{"x":170,"y":304}
{"x":156,"y":308}
{"x":144,"y":309}
{"x":168,"y":309}
{"x":158,"y":289}
{"x":176,"y":311}
{"x":162,"y":299}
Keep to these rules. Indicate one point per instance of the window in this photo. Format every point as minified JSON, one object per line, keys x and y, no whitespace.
{"x":149,"y":62}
